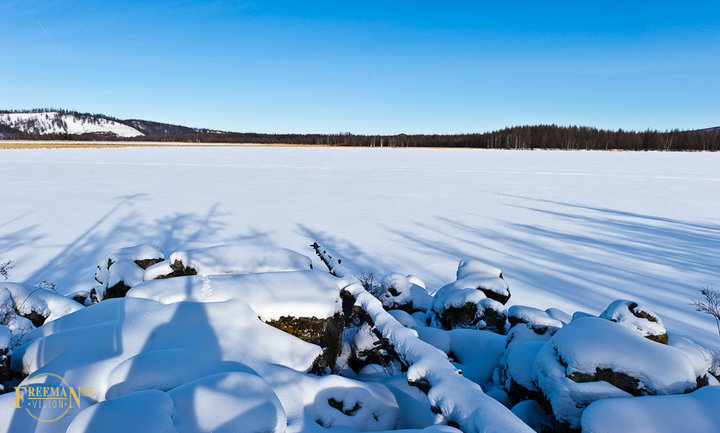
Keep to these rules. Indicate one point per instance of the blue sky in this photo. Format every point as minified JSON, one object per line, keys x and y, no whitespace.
{"x":370,"y":66}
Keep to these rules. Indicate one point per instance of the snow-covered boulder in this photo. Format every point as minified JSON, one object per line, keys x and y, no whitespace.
{"x":696,"y":412}
{"x":538,"y":320}
{"x":515,"y":373}
{"x":237,"y":259}
{"x":593,"y":358}
{"x":638,"y":318}
{"x":400,"y":292}
{"x":488,"y":279}
{"x":305,"y":304}
{"x":475,"y":300}
{"x":24,"y":307}
{"x":456,"y":306}
{"x":120,"y":270}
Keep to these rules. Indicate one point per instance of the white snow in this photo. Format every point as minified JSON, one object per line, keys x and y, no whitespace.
{"x":5,"y":336}
{"x":47,"y":303}
{"x":271,"y":295}
{"x":621,"y":312}
{"x":696,"y":412}
{"x":594,"y":227}
{"x":478,"y":275}
{"x":588,"y":344}
{"x":53,"y":122}
{"x":241,"y":258}
{"x":534,"y":317}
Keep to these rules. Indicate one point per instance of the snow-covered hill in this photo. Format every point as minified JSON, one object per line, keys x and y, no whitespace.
{"x":55,"y":122}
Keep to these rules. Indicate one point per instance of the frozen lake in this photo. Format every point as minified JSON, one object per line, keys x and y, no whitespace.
{"x":574,"y":230}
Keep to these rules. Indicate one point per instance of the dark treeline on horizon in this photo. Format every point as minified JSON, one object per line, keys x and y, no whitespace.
{"x":519,"y":137}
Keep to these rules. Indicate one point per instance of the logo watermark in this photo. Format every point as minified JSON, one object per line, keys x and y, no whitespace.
{"x":47,"y":397}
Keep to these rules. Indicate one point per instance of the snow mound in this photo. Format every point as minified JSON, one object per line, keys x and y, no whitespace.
{"x":593,"y":358}
{"x":696,"y":412}
{"x":238,"y":259}
{"x":638,"y":318}
{"x":122,"y":269}
{"x":458,"y":399}
{"x":227,"y":403}
{"x":538,"y":320}
{"x":97,"y":342}
{"x":475,"y":353}
{"x":400,"y":292}
{"x":271,"y":295}
{"x":488,"y":279}
{"x":24,"y":307}
{"x":456,"y":306}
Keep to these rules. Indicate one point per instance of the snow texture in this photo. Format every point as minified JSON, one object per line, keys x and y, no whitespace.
{"x":47,"y":303}
{"x":458,"y":399}
{"x":696,"y":412}
{"x":588,"y":345}
{"x":628,"y":314}
{"x":271,"y":295}
{"x":240,"y":259}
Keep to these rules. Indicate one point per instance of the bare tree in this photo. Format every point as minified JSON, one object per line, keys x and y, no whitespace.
{"x":5,"y":268}
{"x":709,"y":304}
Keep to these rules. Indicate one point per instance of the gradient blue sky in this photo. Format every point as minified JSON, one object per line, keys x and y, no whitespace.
{"x":367,"y":66}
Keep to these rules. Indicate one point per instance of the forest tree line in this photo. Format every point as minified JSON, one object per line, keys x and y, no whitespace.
{"x":518,"y":137}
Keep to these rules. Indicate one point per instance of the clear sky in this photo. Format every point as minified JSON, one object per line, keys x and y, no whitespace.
{"x":367,"y":66}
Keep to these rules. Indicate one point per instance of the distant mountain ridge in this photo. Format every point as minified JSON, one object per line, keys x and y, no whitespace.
{"x":55,"y":122}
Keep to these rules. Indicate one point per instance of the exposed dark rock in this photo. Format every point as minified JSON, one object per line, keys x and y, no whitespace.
{"x":340,"y":405}
{"x":146,"y":263}
{"x":179,"y":269}
{"x":117,"y":291}
{"x":36,"y":318}
{"x":518,"y":393}
{"x":474,"y":316}
{"x":326,"y":333}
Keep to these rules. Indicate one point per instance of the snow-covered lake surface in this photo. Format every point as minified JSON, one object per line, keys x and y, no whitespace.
{"x":573,"y":230}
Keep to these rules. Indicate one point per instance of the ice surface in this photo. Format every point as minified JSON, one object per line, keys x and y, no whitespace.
{"x":596,"y":227}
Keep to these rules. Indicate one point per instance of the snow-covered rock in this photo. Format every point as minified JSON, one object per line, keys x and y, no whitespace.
{"x":305,"y":304}
{"x":696,"y":412}
{"x":92,"y":343}
{"x":401,"y":292}
{"x":120,"y":270}
{"x":475,"y":300}
{"x":517,"y":365}
{"x":456,"y":306}
{"x":638,"y":318}
{"x":593,"y":358}
{"x":24,"y":307}
{"x":271,"y":295}
{"x":488,"y":279}
{"x":538,"y":320}
{"x":238,"y":259}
